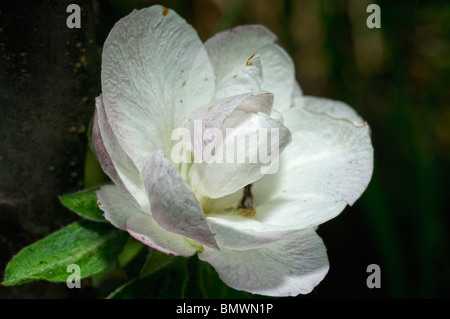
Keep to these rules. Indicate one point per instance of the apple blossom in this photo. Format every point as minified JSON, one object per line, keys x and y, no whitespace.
{"x":257,"y":230}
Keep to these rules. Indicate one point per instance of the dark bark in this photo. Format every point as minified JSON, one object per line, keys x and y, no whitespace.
{"x":48,"y":81}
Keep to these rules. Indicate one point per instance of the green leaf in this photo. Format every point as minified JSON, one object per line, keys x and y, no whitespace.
{"x":84,"y":203}
{"x":134,"y":266}
{"x":231,"y":14}
{"x":167,"y":283}
{"x":210,"y":284}
{"x":156,"y":260}
{"x":131,"y":249}
{"x":91,"y":246}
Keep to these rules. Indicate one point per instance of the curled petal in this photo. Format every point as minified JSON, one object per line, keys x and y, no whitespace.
{"x":121,"y":213}
{"x":144,"y":229}
{"x":117,"y":209}
{"x":230,"y":48}
{"x":238,"y":157}
{"x":244,"y":78}
{"x":173,"y":205}
{"x":114,"y":161}
{"x":213,"y":116}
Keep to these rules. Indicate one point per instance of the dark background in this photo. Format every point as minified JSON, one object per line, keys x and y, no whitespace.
{"x":396,"y":77}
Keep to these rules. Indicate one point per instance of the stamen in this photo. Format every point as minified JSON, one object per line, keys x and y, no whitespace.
{"x":246,"y":208}
{"x":247,"y":200}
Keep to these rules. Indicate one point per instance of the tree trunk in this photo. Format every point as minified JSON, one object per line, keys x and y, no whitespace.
{"x":49,"y":77}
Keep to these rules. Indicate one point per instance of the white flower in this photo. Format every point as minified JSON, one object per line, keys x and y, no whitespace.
{"x":158,"y":76}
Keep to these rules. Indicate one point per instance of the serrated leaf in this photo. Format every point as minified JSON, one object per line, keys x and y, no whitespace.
{"x":92,"y":246}
{"x":167,"y":283}
{"x":84,"y":203}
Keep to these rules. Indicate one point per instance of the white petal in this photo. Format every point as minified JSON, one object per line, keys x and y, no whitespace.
{"x":297,"y":95}
{"x":232,"y":47}
{"x":121,"y":213}
{"x":336,"y":109}
{"x":329,"y":160}
{"x":279,"y":75}
{"x":144,"y":229}
{"x":288,"y":267}
{"x":294,"y":213}
{"x":237,"y":162}
{"x":117,"y":209}
{"x":244,"y":78}
{"x":155,"y":72}
{"x":213,"y":116}
{"x":115,"y":162}
{"x":327,"y":165}
{"x":240,"y":233}
{"x":273,"y":219}
{"x":173,"y":205}
{"x":104,"y":158}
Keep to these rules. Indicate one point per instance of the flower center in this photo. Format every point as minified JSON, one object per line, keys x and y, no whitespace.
{"x":246,"y":208}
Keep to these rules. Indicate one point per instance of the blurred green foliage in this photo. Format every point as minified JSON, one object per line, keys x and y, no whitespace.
{"x":397,"y":78}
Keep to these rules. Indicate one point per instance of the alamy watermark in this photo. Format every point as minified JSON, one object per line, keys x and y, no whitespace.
{"x":259,"y":146}
{"x":374,"y":19}
{"x":74,"y":19}
{"x":374,"y":279}
{"x":73,"y":280}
